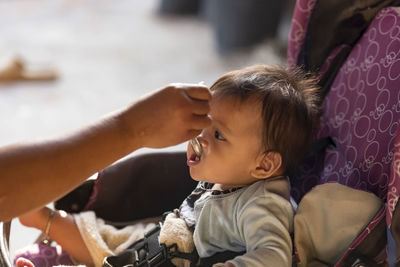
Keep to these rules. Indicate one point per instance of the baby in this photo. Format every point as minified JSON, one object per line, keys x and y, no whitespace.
{"x":262,"y":123}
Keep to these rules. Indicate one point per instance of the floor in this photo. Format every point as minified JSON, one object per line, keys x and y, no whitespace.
{"x":107,"y":53}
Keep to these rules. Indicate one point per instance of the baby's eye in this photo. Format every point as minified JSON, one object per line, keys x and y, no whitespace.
{"x":219,"y":136}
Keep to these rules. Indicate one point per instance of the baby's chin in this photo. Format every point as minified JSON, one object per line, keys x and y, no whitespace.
{"x":194,"y":176}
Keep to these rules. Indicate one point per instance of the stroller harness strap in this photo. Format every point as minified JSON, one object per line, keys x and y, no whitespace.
{"x":149,"y":252}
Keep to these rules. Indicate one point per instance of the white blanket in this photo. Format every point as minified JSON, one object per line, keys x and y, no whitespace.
{"x":105,"y":240}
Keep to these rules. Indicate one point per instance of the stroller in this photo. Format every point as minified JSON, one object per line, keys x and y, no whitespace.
{"x":356,"y":51}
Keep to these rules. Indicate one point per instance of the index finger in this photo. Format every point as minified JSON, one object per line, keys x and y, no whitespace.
{"x":198,"y":92}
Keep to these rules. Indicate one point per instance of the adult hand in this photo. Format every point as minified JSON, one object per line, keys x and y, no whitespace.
{"x":169,"y":116}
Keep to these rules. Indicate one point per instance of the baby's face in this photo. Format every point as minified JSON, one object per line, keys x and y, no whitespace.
{"x":232,"y":145}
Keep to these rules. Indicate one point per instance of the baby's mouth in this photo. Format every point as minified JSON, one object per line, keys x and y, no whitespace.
{"x":193,"y":160}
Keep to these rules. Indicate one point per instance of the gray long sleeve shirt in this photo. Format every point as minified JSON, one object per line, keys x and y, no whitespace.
{"x":250,"y":219}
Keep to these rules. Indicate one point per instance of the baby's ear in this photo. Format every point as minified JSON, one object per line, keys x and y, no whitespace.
{"x":269,"y":164}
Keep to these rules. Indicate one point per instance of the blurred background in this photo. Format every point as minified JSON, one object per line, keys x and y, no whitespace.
{"x":106,"y":54}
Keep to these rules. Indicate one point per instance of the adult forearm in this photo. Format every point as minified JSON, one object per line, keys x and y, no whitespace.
{"x":34,"y":174}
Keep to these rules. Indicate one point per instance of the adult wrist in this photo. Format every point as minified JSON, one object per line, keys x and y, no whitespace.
{"x":47,"y":227}
{"x":131,"y":127}
{"x":41,"y":221}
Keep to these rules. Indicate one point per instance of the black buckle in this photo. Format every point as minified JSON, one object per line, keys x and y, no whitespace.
{"x":157,"y":253}
{"x":148,"y":252}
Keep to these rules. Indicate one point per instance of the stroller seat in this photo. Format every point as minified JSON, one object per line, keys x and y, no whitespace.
{"x":361,"y":113}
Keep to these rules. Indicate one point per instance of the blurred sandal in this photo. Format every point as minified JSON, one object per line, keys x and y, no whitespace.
{"x":16,"y":70}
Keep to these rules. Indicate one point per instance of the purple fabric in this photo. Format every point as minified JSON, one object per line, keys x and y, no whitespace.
{"x":44,"y":256}
{"x":361,"y":113}
{"x":298,"y":28}
{"x":394,"y":182}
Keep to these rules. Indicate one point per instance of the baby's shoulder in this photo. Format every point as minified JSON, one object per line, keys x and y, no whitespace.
{"x":279,"y":187}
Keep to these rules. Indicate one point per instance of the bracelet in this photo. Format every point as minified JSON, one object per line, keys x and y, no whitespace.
{"x":47,"y":239}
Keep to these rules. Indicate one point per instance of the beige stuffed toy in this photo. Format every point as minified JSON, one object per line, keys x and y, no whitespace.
{"x":175,"y":231}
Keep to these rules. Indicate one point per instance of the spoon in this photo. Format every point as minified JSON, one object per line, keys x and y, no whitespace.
{"x":196,"y":146}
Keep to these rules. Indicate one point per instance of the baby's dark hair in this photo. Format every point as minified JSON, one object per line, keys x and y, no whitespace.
{"x":289,"y":102}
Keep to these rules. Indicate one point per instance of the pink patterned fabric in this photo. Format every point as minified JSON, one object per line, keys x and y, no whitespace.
{"x":43,"y":255}
{"x":301,"y":16}
{"x":394,"y":182}
{"x":362,"y":113}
